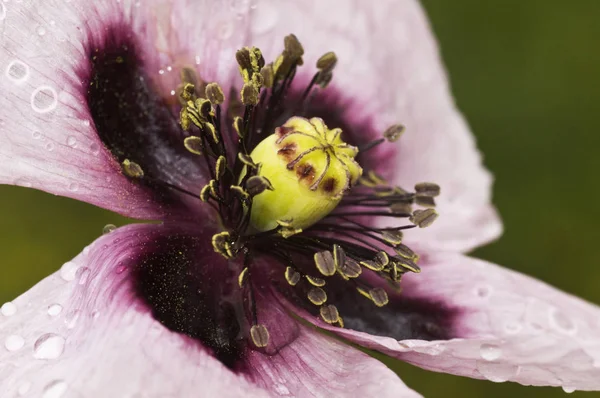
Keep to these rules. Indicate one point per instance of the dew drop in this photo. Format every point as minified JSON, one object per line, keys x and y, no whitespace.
{"x":490,"y":352}
{"x":83,"y":275}
{"x":49,"y":346}
{"x":225,"y":30}
{"x":24,"y":388}
{"x":72,"y":141}
{"x":69,"y":270}
{"x":95,"y":149}
{"x":41,"y":30}
{"x":17,"y":71}
{"x":561,"y":322}
{"x":8,"y":309}
{"x":95,"y":314}
{"x":44,"y":99}
{"x":36,"y":135}
{"x":483,"y":291}
{"x":49,"y":147}
{"x":172,"y":92}
{"x":197,"y":59}
{"x":2,"y":12}
{"x":55,"y":389}
{"x":55,"y":309}
{"x":86,"y":123}
{"x":73,"y":187}
{"x":161,"y":72}
{"x":497,"y":372}
{"x":120,"y":269}
{"x":568,"y":390}
{"x":108,"y":228}
{"x":169,"y":68}
{"x":72,"y":318}
{"x":14,"y":342}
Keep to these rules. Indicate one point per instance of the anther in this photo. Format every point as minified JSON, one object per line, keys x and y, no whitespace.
{"x":393,"y":133}
{"x":249,"y":94}
{"x":260,"y":335}
{"x":214,"y":94}
{"x":291,"y":276}
{"x":379,"y":296}
{"x":405,"y":251}
{"x":243,"y":277}
{"x":372,"y":265}
{"x":221,"y":244}
{"x":315,"y":281}
{"x":238,"y":126}
{"x":339,"y":256}
{"x":427,"y":189}
{"x":220,"y":166}
{"x":267,"y":75}
{"x":327,"y":62}
{"x":329,"y":313}
{"x":393,"y":237}
{"x":425,"y":201}
{"x":193,"y":144}
{"x":325,"y":262}
{"x":317,"y":296}
{"x":350,"y":269}
{"x":212,"y":131}
{"x":132,"y":169}
{"x":382,"y":258}
{"x":423,"y":218}
{"x":257,"y":185}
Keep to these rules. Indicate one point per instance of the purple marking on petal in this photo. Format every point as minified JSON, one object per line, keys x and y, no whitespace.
{"x":132,"y":116}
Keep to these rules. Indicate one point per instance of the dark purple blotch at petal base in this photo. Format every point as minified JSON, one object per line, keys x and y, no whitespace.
{"x":191,"y":291}
{"x":132,"y":116}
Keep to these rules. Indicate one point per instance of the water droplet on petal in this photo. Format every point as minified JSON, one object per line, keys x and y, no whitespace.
{"x":497,"y":372}
{"x":73,"y":187}
{"x":17,"y":71}
{"x":69,"y":270}
{"x":83,"y":275}
{"x":41,"y":30}
{"x":14,"y":342}
{"x":108,"y":228}
{"x":49,"y":147}
{"x":95,"y":149}
{"x":568,"y":390}
{"x":483,"y":291}
{"x":72,"y":141}
{"x":95,"y":314}
{"x":86,"y":123}
{"x":36,"y":135}
{"x":490,"y":352}
{"x":49,"y":346}
{"x":2,"y":12}
{"x":55,"y":389}
{"x":44,"y":99}
{"x":161,"y":72}
{"x":24,"y":388}
{"x":8,"y":309}
{"x":225,"y":30}
{"x":561,"y":322}
{"x":55,"y":309}
{"x":120,"y":269}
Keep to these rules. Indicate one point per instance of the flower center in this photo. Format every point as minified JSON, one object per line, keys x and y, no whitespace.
{"x":288,"y":187}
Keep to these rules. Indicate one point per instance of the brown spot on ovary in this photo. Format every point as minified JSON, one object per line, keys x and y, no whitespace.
{"x":329,"y":185}
{"x":305,"y":173}
{"x":288,"y":152}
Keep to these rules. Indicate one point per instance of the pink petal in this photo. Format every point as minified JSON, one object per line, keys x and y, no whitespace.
{"x":84,"y":332}
{"x":509,"y":327}
{"x":47,"y":136}
{"x":389,"y":68}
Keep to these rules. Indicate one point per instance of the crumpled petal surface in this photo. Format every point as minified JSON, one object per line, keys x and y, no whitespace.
{"x":84,"y":332}
{"x":394,"y":75}
{"x":48,"y":137}
{"x":510,"y":327}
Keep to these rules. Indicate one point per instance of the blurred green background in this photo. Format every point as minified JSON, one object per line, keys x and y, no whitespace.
{"x":526,"y":75}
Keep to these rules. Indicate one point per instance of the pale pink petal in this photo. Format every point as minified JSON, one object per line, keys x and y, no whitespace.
{"x":48,"y":139}
{"x":507,"y":327}
{"x":389,"y":72}
{"x":86,"y":332}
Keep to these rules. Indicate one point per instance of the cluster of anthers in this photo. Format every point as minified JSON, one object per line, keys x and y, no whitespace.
{"x":288,"y":187}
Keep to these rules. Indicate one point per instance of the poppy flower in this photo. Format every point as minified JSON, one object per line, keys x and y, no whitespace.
{"x":262,"y":139}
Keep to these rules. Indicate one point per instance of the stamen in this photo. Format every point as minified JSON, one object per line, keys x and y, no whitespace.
{"x":317,"y":296}
{"x":260,"y":335}
{"x":424,"y":218}
{"x":393,"y":133}
{"x":325,"y":263}
{"x":214,"y":94}
{"x":379,"y":296}
{"x":329,"y":313}
{"x":292,"y":276}
{"x":193,"y":144}
{"x":132,"y":169}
